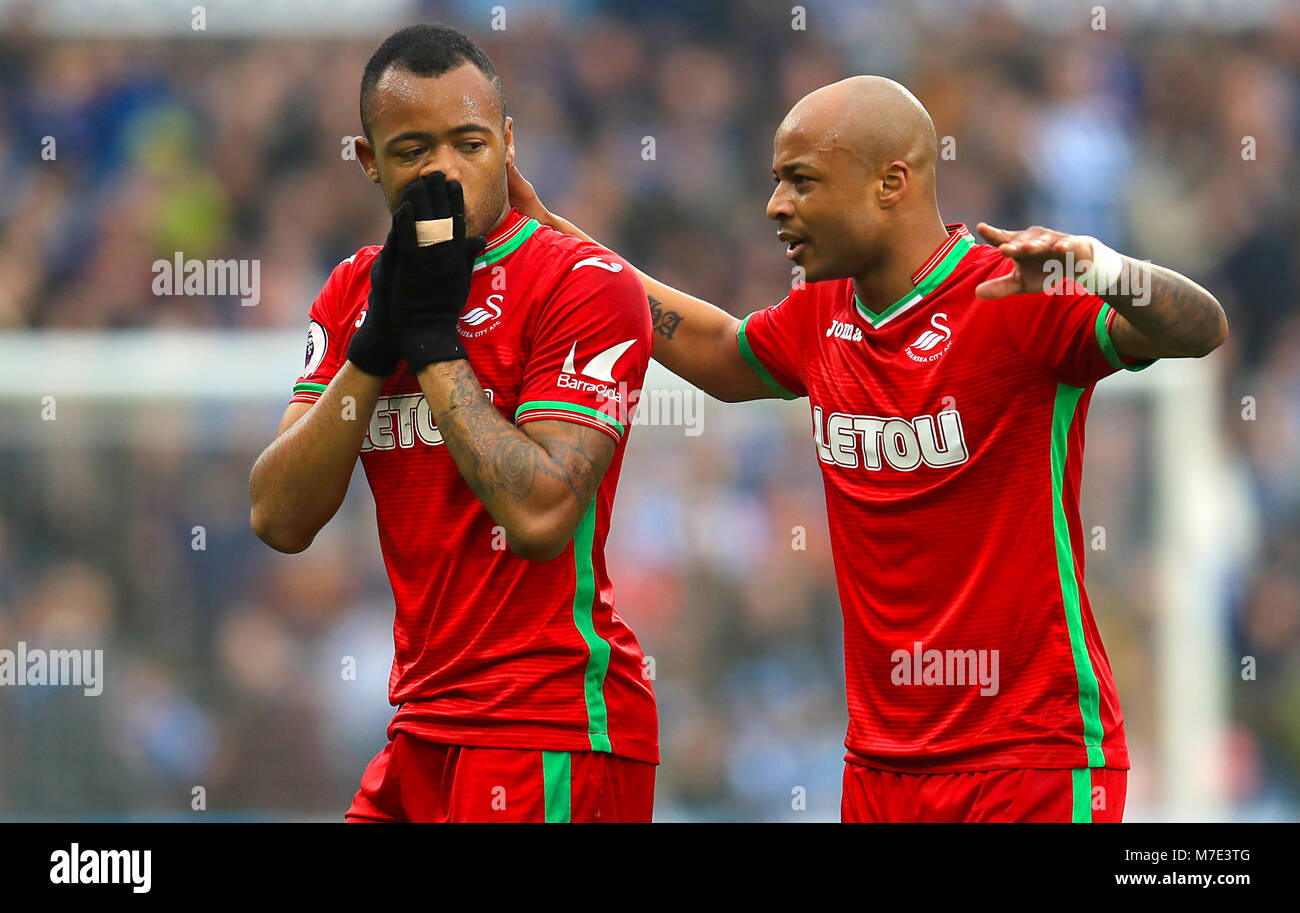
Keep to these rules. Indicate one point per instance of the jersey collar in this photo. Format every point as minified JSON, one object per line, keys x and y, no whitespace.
{"x":506,"y":238}
{"x":926,"y":279}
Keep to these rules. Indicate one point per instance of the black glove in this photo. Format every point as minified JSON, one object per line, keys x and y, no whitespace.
{"x":430,"y":284}
{"x":373,"y":348}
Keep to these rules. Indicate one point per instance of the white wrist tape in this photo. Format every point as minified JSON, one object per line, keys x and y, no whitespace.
{"x":1105,"y":270}
{"x":433,"y":231}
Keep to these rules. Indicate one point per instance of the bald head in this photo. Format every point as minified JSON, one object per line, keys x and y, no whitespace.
{"x":854,"y":167}
{"x":868,"y":118}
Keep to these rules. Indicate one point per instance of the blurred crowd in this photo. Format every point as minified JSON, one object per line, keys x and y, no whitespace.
{"x":1173,"y":142}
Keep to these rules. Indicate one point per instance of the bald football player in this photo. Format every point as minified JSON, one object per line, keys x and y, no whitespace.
{"x":949,"y":383}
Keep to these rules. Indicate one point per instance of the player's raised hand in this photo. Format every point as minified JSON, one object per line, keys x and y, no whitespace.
{"x":1040,"y":257}
{"x":431,"y":278}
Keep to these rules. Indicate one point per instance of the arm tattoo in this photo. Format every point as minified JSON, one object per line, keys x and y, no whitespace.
{"x":503,"y":466}
{"x":500,"y":464}
{"x":1176,"y":315}
{"x":665,"y":322}
{"x":571,"y":447}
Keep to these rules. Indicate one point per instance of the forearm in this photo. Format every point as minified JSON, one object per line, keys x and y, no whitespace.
{"x":524,"y":490}
{"x":697,"y":342}
{"x":299,"y":481}
{"x":692,"y":338}
{"x":1177,"y":316}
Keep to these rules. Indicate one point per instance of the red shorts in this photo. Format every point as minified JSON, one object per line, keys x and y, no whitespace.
{"x":415,"y":780}
{"x":1018,"y":795}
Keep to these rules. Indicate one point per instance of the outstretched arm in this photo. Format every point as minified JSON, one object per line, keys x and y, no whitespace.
{"x":1159,"y":313}
{"x":692,"y":338}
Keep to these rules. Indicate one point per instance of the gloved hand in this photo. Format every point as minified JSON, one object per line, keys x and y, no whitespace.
{"x":430,"y":282}
{"x":373,"y":348}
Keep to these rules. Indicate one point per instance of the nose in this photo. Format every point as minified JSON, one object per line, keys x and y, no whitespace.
{"x":442,"y":159}
{"x":779,"y":206}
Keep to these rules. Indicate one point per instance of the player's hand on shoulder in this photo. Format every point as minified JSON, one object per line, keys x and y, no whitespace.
{"x":523,"y":196}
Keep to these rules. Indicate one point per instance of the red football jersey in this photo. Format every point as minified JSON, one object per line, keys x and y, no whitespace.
{"x":493,"y":650}
{"x":950,"y":435}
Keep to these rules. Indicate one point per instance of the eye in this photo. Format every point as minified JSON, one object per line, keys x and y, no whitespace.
{"x":410,"y":155}
{"x":473,"y":145}
{"x":798,"y":180}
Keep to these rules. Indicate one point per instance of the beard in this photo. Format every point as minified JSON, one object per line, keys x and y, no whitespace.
{"x":483,"y":214}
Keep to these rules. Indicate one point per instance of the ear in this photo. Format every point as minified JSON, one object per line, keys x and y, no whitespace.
{"x":510,"y":142}
{"x":366,"y":157}
{"x":894,"y":182}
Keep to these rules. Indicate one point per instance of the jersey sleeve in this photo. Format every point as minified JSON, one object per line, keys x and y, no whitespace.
{"x":326,"y":341}
{"x":1067,"y":333}
{"x":771,"y":342}
{"x":590,"y":349}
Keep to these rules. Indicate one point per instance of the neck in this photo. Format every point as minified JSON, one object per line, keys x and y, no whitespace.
{"x":501,"y":217}
{"x":890,"y":277}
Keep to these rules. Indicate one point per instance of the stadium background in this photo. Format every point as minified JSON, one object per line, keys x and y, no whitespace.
{"x":223,"y":665}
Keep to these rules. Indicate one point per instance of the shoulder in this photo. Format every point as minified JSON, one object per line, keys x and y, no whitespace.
{"x":350,"y":270}
{"x":566,"y":255}
{"x":828,"y":292}
{"x":985,"y":261}
{"x":813,"y":300}
{"x":358,"y":264}
{"x":347,"y":287}
{"x":577,"y":270}
{"x":793,"y":324}
{"x":982,"y":263}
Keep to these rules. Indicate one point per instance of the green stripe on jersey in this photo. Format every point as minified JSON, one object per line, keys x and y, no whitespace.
{"x":1108,"y":345}
{"x":547,"y":404}
{"x":557,"y":774}
{"x":584,"y":599}
{"x":1067,"y":399}
{"x":763,"y":374}
{"x":928,"y":284}
{"x":488,"y":257}
{"x":1081,"y":796}
{"x":308,"y":388}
